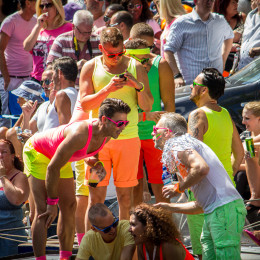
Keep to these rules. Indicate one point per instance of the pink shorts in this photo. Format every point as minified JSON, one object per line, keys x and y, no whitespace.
{"x":123,"y":156}
{"x":152,"y":158}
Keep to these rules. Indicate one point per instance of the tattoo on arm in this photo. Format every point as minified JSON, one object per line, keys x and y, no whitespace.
{"x":193,"y":124}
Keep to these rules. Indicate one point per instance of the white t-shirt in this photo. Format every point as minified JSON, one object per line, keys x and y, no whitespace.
{"x":40,"y":115}
{"x":213,"y":191}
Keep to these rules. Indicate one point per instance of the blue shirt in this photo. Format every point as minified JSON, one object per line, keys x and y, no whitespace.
{"x":251,"y":38}
{"x":197,"y":43}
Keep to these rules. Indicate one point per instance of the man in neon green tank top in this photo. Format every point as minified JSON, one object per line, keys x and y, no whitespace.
{"x":212,"y":125}
{"x":100,"y":79}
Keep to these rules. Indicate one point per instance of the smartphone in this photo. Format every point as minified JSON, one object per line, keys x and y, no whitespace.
{"x":122,"y":76}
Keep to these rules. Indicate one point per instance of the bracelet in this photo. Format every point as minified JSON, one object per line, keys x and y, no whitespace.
{"x":2,"y":176}
{"x":142,"y":89}
{"x":178,"y":75}
{"x":50,"y":201}
{"x":177,"y":188}
{"x":144,"y":116}
{"x":99,"y":162}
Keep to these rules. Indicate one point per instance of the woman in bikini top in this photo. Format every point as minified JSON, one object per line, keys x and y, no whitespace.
{"x":156,"y":235}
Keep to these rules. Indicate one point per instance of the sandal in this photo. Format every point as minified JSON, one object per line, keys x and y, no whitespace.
{"x":252,"y":236}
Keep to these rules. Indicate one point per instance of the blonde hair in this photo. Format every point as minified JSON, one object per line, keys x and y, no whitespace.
{"x":170,"y":9}
{"x":59,"y":20}
{"x":253,"y":107}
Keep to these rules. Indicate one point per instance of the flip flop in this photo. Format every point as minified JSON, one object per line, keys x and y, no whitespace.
{"x":252,"y":236}
{"x":252,"y":207}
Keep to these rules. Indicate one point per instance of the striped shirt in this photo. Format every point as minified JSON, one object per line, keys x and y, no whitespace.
{"x":197,"y":43}
{"x":64,"y":46}
{"x":250,"y":38}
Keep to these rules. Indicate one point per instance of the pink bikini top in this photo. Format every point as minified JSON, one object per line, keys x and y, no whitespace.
{"x":48,"y":141}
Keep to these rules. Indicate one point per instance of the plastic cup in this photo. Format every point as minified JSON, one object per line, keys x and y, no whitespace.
{"x":94,"y":178}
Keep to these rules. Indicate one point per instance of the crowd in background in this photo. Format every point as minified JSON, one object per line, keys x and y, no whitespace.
{"x":60,"y":59}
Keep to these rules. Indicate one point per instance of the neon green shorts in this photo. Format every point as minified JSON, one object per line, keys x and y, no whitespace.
{"x":36,"y":164}
{"x":80,"y":171}
{"x":222,"y":231}
{"x":195,"y":223}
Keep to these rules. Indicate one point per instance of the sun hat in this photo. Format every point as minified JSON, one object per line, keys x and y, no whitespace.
{"x":29,"y":90}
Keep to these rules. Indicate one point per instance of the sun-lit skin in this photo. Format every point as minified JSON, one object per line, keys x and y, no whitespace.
{"x":5,"y":156}
{"x":203,"y":8}
{"x":136,"y":13}
{"x":159,"y":136}
{"x":103,"y":222}
{"x":21,"y":101}
{"x":196,"y":90}
{"x":251,"y":122}
{"x":52,"y":11}
{"x":112,"y":128}
{"x":47,"y":75}
{"x":232,"y":8}
{"x":109,"y":13}
{"x":82,"y":32}
{"x":137,"y":230}
{"x":110,"y":49}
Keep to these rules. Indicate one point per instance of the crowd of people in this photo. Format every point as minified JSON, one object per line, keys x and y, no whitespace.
{"x":87,"y":101}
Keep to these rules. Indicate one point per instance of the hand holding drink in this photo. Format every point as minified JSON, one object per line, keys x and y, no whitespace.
{"x":97,"y":174}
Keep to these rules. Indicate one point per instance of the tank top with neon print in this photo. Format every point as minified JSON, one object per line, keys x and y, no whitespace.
{"x":220,"y":131}
{"x":101,"y":78}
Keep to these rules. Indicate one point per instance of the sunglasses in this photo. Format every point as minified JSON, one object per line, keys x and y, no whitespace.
{"x":106,"y":18}
{"x":156,"y":128}
{"x":136,"y":6}
{"x":118,"y":123}
{"x":142,"y":61}
{"x":83,"y":33}
{"x":107,"y":229}
{"x":46,"y":82}
{"x":194,"y":84}
{"x":48,"y":5}
{"x":113,"y":55}
{"x":151,"y":47}
{"x":113,"y":25}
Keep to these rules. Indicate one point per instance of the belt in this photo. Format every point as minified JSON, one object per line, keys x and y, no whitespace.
{"x":17,"y":77}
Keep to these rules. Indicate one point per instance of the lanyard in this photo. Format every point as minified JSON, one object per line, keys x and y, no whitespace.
{"x":76,"y":47}
{"x":77,"y":51}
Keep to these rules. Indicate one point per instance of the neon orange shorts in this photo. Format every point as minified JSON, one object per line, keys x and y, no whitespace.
{"x":152,"y":158}
{"x":123,"y":155}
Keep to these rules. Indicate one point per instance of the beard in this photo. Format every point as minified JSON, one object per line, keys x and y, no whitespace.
{"x":196,"y":97}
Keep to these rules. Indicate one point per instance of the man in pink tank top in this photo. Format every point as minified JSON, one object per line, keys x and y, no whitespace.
{"x":51,"y":181}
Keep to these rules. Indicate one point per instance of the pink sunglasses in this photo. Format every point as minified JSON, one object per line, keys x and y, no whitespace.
{"x":118,"y":123}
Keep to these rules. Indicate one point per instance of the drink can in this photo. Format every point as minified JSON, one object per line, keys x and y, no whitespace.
{"x":250,"y":146}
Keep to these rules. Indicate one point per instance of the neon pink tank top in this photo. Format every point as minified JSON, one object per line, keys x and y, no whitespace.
{"x":48,"y":141}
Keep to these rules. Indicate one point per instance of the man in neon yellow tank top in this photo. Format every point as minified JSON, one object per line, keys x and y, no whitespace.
{"x":100,"y":80}
{"x":212,"y":125}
